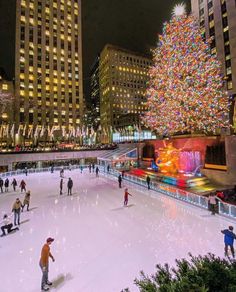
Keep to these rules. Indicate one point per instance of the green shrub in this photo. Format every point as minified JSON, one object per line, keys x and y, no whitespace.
{"x":198,"y":274}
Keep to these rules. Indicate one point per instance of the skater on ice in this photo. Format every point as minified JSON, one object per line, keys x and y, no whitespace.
{"x":126,"y":197}
{"x":62,"y":173}
{"x":14,"y":184}
{"x":16,"y":209}
{"x":119,"y":180}
{"x":229,"y":238}
{"x":70,"y":186}
{"x":97,"y":171}
{"x":26,"y":201}
{"x":22,"y":186}
{"x":213,"y":203}
{"x":81,"y":168}
{"x":148,"y":180}
{"x":61,"y":186}
{"x":6,"y":184}
{"x":93,"y":167}
{"x":44,"y":263}
{"x":1,"y":185}
{"x":90,"y":167}
{"x":7,"y":225}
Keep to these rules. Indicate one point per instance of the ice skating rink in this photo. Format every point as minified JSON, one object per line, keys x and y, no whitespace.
{"x":100,"y":246}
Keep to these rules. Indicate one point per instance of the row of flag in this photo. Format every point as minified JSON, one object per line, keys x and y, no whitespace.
{"x":40,"y":131}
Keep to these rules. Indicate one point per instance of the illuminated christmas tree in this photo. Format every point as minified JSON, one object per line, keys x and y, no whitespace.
{"x":186,"y":90}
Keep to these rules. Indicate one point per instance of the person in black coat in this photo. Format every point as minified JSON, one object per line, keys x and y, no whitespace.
{"x":119,"y":180}
{"x":1,"y":184}
{"x":6,"y":184}
{"x":148,"y":181}
{"x":14,"y":184}
{"x":61,"y":186}
{"x":70,"y":186}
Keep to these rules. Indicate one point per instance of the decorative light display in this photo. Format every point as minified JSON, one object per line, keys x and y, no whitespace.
{"x":186,"y":90}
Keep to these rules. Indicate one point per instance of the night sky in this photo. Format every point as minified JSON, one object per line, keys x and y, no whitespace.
{"x":132,"y":24}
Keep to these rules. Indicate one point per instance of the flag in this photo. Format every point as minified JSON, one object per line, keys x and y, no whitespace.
{"x":30,"y":132}
{"x":48,"y":130}
{"x":42,"y":131}
{"x":18,"y":132}
{"x":78,"y":132}
{"x":7,"y":131}
{"x":12,"y":131}
{"x":24,"y":130}
{"x":36,"y":132}
{"x":1,"y":131}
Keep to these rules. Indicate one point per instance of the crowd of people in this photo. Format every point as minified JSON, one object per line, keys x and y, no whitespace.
{"x":58,"y":147}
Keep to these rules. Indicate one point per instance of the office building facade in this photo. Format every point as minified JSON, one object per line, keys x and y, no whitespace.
{"x":123,"y":77}
{"x":217,"y":19}
{"x":47,"y":61}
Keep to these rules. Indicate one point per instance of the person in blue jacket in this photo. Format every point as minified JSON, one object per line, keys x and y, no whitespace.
{"x":229,"y":240}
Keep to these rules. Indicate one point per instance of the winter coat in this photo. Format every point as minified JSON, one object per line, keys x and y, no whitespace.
{"x":70,"y":184}
{"x":6,"y":183}
{"x":229,"y":237}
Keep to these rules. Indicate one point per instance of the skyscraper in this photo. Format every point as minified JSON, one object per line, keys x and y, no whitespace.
{"x":95,"y":93}
{"x":42,"y":42}
{"x":123,"y":77}
{"x":218,"y":21}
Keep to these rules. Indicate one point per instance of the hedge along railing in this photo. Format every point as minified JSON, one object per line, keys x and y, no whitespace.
{"x":224,"y":209}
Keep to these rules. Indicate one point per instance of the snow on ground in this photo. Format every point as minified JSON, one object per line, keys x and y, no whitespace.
{"x":100,"y":246}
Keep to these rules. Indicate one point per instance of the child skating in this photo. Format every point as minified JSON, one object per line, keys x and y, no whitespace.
{"x":126,"y":197}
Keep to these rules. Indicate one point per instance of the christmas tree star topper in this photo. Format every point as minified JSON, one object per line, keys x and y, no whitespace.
{"x":179,"y":9}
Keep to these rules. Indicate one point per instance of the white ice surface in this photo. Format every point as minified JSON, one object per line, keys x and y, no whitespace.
{"x":100,"y":246}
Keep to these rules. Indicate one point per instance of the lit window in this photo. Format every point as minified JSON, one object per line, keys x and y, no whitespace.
{"x":5,"y":86}
{"x":228,"y":70}
{"x":230,"y":84}
{"x":22,"y":18}
{"x":226,"y":28}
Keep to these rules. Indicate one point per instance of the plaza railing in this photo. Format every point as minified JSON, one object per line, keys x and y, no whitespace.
{"x":224,"y":209}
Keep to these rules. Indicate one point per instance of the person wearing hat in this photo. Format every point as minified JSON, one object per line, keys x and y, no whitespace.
{"x":44,"y":263}
{"x":229,"y":237}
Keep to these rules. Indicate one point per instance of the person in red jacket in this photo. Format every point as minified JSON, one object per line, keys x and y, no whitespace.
{"x":44,"y":262}
{"x":126,"y":196}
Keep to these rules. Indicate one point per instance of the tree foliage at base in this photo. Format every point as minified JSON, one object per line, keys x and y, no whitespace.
{"x":199,"y":274}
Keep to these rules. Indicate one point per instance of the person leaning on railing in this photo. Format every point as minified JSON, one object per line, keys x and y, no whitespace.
{"x":213,"y":203}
